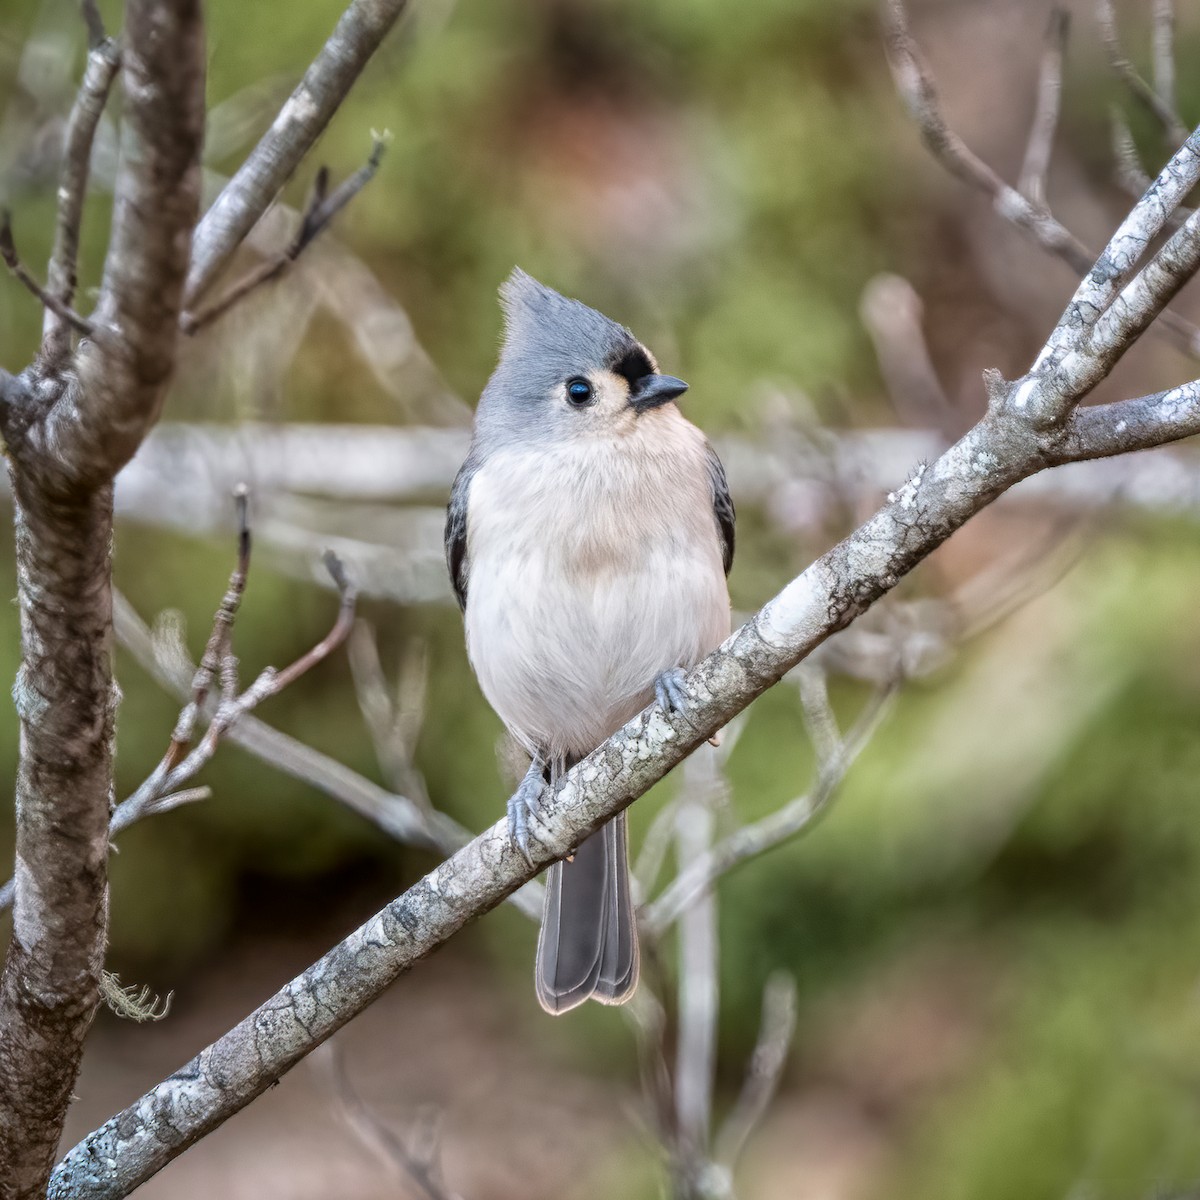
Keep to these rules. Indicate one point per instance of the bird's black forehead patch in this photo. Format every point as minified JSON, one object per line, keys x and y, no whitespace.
{"x":632,"y":362}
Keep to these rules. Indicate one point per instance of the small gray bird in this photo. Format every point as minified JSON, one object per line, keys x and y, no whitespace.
{"x":588,"y":536}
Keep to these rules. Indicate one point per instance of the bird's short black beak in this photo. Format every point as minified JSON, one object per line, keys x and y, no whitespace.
{"x":652,"y":390}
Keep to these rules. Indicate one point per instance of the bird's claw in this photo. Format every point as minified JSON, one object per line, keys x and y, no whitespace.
{"x":670,"y":691}
{"x":523,"y":806}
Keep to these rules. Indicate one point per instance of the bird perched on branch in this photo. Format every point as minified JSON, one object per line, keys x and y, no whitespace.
{"x":589,"y":534}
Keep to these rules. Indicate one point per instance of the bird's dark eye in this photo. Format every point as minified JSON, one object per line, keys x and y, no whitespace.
{"x":579,"y":392}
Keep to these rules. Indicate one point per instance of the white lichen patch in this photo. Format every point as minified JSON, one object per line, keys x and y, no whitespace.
{"x":1024,"y":392}
{"x":300,"y":109}
{"x":27,"y":926}
{"x":795,"y":614}
{"x":982,"y":462}
{"x":906,"y":497}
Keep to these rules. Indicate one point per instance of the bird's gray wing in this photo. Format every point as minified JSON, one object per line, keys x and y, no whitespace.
{"x":722,"y":507}
{"x":456,"y":528}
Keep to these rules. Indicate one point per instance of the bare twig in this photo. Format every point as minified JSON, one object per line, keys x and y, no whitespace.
{"x":400,"y":817}
{"x":1101,"y":278}
{"x":160,"y":791}
{"x":1163,"y":49}
{"x":94,"y":22}
{"x":773,"y":830}
{"x":919,"y":93}
{"x":317,"y":216}
{"x":766,"y":1067}
{"x":1069,"y":367}
{"x":1152,"y":99}
{"x":420,"y":1170}
{"x":122,"y":370}
{"x":1032,"y":179}
{"x":695,"y":1060}
{"x":657,"y":839}
{"x":49,"y":301}
{"x":104,"y":58}
{"x":645,"y":1012}
{"x":1130,"y":173}
{"x":394,"y":725}
{"x":819,"y":719}
{"x":360,"y":30}
{"x":217,"y":648}
{"x":891,"y":311}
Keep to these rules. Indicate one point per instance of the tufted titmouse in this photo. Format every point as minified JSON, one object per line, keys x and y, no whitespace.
{"x":588,"y":537}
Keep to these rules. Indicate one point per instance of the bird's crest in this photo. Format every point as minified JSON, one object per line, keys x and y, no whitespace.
{"x":540,"y":320}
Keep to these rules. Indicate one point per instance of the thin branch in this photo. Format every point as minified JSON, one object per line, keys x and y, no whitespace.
{"x":1032,"y":179}
{"x":766,"y":1067}
{"x":1163,"y":49}
{"x":360,"y":30}
{"x":819,"y":718}
{"x":217,"y":647}
{"x":695,"y":1060}
{"x":657,"y":838}
{"x":1102,"y":430}
{"x":160,"y":791}
{"x":1130,"y":173}
{"x":1126,"y":247}
{"x":398,"y":816}
{"x":94,"y":22}
{"x":1089,"y":345}
{"x":104,"y":59}
{"x":394,"y":726}
{"x":381,"y":1140}
{"x":1102,"y":277}
{"x":317,"y":216}
{"x":124,"y":368}
{"x":645,"y":1012}
{"x":49,"y":301}
{"x":891,"y":311}
{"x":919,"y":93}
{"x":1151,"y":99}
{"x":773,"y":830}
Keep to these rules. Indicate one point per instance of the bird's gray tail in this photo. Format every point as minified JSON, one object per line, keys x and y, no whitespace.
{"x":588,"y":945}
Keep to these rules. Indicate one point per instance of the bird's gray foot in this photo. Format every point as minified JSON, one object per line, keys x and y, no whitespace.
{"x":523,"y":807}
{"x":670,"y":692}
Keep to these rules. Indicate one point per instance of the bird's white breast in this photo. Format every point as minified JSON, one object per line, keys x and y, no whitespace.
{"x":593,"y":567}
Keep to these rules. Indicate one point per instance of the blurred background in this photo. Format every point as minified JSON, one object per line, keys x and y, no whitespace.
{"x":994,"y":931}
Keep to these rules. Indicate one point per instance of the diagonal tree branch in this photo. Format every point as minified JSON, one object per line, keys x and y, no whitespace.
{"x":766,"y":1067}
{"x":1010,"y":443}
{"x":1156,"y":100}
{"x":1032,"y":180}
{"x":836,"y":588}
{"x":320,"y":212}
{"x":301,"y":121}
{"x":50,"y":302}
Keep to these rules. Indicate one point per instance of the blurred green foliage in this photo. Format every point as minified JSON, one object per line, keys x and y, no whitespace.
{"x":1069,"y":899}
